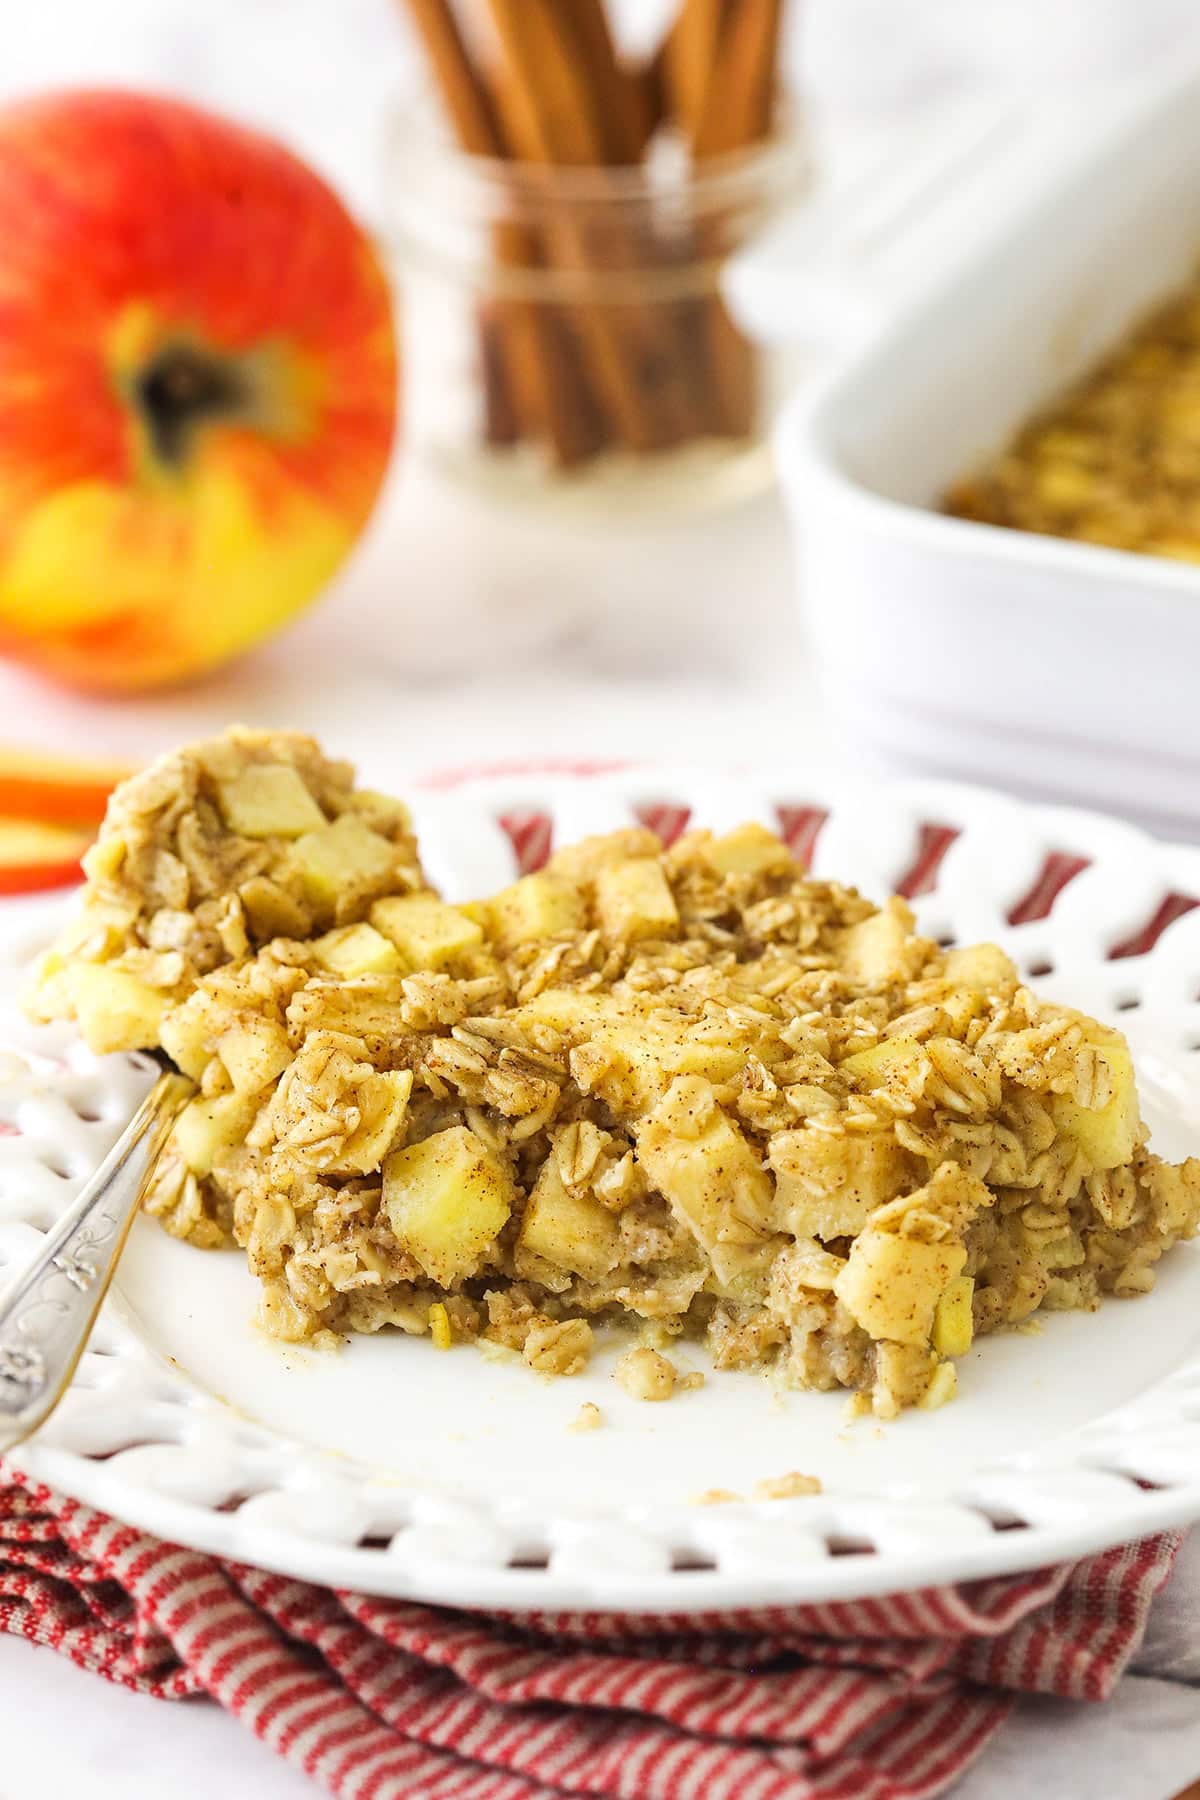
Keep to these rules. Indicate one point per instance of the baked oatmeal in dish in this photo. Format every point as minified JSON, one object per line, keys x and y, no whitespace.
{"x":690,"y":1091}
{"x":1116,"y":460}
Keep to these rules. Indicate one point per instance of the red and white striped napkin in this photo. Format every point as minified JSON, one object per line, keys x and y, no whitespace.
{"x":385,"y":1700}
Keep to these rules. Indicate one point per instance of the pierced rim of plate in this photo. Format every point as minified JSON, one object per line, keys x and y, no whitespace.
{"x":1068,"y":893}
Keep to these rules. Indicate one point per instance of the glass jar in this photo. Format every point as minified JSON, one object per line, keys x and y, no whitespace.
{"x":565,"y":338}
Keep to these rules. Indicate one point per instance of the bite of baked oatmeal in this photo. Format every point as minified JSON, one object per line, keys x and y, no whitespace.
{"x":205,"y":856}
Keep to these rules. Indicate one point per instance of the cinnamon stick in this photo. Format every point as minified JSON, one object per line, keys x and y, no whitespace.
{"x":690,"y":52}
{"x":636,"y":350}
{"x":735,"y":111}
{"x":617,"y":106}
{"x":732,"y":388}
{"x":739,"y":95}
{"x":650,"y":97}
{"x":501,"y":418}
{"x":524,"y":355}
{"x":466,"y":99}
{"x":647,"y":372}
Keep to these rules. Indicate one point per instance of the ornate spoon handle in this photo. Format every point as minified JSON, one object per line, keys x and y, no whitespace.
{"x":47,"y":1317}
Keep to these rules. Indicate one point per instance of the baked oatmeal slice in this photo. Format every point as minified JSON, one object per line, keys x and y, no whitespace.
{"x":690,"y":1090}
{"x":205,"y":856}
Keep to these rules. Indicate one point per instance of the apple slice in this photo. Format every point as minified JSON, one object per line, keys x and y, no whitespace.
{"x":34,"y":856}
{"x":60,"y":790}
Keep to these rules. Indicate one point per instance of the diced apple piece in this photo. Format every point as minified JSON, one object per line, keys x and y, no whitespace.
{"x":874,"y":1067}
{"x":271,"y":911}
{"x":570,"y":1231}
{"x":943,"y":1386}
{"x":706,"y":1169}
{"x":982,"y":966}
{"x":749,"y":850}
{"x":627,"y":1059}
{"x":427,"y":933}
{"x":891,"y":1284}
{"x":630,"y":1064}
{"x":188,"y":1032}
{"x":280,"y":1315}
{"x":571,"y":1010}
{"x":346,"y":855}
{"x":356,"y":950}
{"x":537,"y":906}
{"x":634,"y":901}
{"x":207,"y":1128}
{"x":953,"y":1323}
{"x":383,"y":1102}
{"x":446,"y":1199}
{"x":1108,"y":1135}
{"x":878,"y":950}
{"x":268,"y":800}
{"x":255,"y":1052}
{"x":439,"y":1326}
{"x":827,"y":1187}
{"x":115,"y":1010}
{"x":689,"y":1054}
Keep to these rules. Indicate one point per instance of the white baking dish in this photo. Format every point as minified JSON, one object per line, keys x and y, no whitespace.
{"x":1022,"y":660}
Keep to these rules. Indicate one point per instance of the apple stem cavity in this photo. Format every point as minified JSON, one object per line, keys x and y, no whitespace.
{"x":194,"y":432}
{"x":183,"y":387}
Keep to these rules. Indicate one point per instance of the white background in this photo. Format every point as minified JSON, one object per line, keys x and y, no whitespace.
{"x":460,"y":635}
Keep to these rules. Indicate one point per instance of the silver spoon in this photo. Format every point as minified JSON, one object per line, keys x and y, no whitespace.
{"x":47,"y":1317}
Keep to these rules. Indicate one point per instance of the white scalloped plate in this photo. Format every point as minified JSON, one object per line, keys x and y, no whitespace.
{"x":394,"y":1469}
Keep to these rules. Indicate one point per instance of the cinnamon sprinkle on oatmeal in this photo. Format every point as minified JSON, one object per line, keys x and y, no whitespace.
{"x":767,"y":1117}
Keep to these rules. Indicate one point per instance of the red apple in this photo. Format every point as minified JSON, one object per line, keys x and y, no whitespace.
{"x":197,"y":387}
